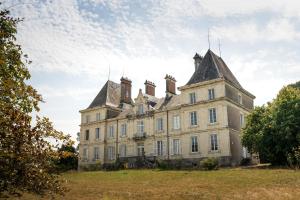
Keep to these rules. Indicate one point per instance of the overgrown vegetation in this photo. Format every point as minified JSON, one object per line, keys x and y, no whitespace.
{"x":209,"y":163}
{"x":273,"y":130}
{"x":26,"y":153}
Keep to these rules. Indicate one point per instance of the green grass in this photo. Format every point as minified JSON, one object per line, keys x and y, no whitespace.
{"x":154,"y":184}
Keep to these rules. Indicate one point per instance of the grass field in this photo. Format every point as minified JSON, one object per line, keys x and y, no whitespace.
{"x":155,"y":184}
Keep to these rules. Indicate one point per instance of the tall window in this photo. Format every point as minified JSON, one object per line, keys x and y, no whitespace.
{"x":192,"y":98}
{"x":194,"y":144}
{"x":159,"y":148}
{"x":123,"y":129}
{"x":111,"y":153}
{"x":87,"y":119}
{"x":159,"y":124}
{"x":140,"y":109}
{"x":87,"y":134}
{"x":96,"y":153}
{"x":211,"y":94}
{"x":97,"y":133}
{"x":111,"y":131}
{"x":85,"y":154}
{"x":193,"y":118}
{"x":98,"y":117}
{"x":212,"y":115}
{"x":176,"y":146}
{"x":241,"y":119}
{"x":240,"y":99}
{"x":214,"y":142}
{"x":140,"y":128}
{"x":176,"y":122}
{"x":123,"y":150}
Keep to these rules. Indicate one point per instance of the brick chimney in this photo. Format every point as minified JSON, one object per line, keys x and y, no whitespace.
{"x":197,"y":60}
{"x":125,"y":90}
{"x":170,"y":85}
{"x":150,"y":88}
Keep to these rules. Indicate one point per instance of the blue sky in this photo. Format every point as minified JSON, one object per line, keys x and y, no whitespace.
{"x":72,"y":43}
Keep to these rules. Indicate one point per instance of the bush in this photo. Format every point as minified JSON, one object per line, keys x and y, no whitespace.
{"x":294,"y":158}
{"x":162,"y":164}
{"x":245,"y":162}
{"x":209,"y":163}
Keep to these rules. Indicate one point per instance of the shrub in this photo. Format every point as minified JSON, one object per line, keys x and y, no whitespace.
{"x":245,"y":162}
{"x":209,"y":163}
{"x":294,"y":158}
{"x":163,"y":165}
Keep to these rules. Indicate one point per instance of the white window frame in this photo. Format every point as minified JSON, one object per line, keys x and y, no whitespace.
{"x":96,"y":153}
{"x":98,"y":116}
{"x":111,"y":152}
{"x":193,"y":118}
{"x":214,"y":143}
{"x":192,"y":96}
{"x":159,"y":148}
{"x":176,"y":122}
{"x":194,"y":144}
{"x":123,"y":129}
{"x":159,"y":124}
{"x":97,"y":133}
{"x":211,"y":94}
{"x":111,"y":131}
{"x":212,"y":115}
{"x":176,"y":146}
{"x":140,"y":127}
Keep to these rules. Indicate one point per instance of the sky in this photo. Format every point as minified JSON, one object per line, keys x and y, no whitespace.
{"x":74,"y":43}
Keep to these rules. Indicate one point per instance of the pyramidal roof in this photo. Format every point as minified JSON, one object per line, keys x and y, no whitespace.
{"x":109,"y":95}
{"x":212,"y":67}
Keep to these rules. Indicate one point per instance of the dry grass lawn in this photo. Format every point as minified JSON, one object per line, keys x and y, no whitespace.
{"x":155,"y":184}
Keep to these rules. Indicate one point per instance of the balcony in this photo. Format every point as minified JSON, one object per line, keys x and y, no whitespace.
{"x":140,"y":136}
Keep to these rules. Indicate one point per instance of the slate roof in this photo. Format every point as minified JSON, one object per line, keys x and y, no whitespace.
{"x":212,"y":67}
{"x":109,"y":95}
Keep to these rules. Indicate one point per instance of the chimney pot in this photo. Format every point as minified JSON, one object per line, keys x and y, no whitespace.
{"x":150,"y":88}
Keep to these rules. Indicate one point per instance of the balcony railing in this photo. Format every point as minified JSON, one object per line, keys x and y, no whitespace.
{"x":140,"y":136}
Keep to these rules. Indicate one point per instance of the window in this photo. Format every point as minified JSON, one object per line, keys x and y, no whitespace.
{"x":140,"y":149}
{"x":241,"y":119}
{"x":111,"y":131}
{"x":176,"y":122}
{"x":194,"y":144}
{"x":211,"y":94}
{"x":140,"y":128}
{"x":97,"y":133}
{"x":140,"y":109}
{"x":87,"y":119}
{"x":111,"y":153}
{"x":159,"y":148}
{"x":87,"y":134}
{"x":123,"y":129}
{"x":159,"y":124}
{"x":176,"y":146}
{"x":240,"y":99}
{"x":214,"y":142}
{"x":193,"y":118}
{"x":96,"y":153}
{"x":192,"y":98}
{"x":98,"y":117}
{"x":85,"y":154}
{"x":212,"y":115}
{"x":123,"y":150}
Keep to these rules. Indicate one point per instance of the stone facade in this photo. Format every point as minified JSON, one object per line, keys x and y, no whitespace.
{"x":204,"y":120}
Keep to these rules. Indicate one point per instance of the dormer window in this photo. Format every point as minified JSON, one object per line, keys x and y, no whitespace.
{"x":140,"y":109}
{"x":192,"y":98}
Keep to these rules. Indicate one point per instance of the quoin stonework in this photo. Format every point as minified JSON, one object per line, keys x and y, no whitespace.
{"x":204,"y":120}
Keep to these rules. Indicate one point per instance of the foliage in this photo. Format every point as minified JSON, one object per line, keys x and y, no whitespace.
{"x":26,"y":152}
{"x":273,"y":131}
{"x":245,"y":162}
{"x":209,"y":163}
{"x":67,"y":158}
{"x":294,"y":158}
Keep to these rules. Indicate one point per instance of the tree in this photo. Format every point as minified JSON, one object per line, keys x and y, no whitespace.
{"x":26,"y":148}
{"x":68,"y":158}
{"x":273,"y":131}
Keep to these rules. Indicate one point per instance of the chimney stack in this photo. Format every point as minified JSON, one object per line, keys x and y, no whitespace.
{"x":197,"y":61}
{"x":170,"y":85}
{"x":125,"y":90}
{"x":150,"y":88}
